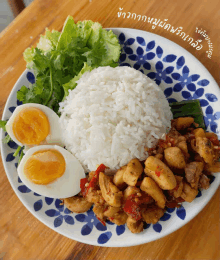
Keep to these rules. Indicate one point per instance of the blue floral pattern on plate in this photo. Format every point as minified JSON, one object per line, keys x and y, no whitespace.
{"x":90,"y":219}
{"x":60,"y":213}
{"x":191,"y":86}
{"x":174,"y":74}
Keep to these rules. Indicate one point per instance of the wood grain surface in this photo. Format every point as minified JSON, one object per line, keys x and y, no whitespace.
{"x":22,"y":236}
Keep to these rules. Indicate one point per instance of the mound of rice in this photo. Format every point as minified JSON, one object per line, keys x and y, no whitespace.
{"x":112,"y":116}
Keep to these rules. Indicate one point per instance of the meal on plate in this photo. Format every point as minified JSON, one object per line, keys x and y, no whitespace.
{"x":95,"y":134}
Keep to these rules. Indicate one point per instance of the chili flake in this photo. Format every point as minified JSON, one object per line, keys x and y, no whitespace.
{"x":132,"y":205}
{"x":214,"y":140}
{"x":158,"y":173}
{"x":103,"y":223}
{"x":132,"y":208}
{"x":83,"y":184}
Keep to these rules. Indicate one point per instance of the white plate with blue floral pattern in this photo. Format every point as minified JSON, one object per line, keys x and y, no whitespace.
{"x":182,"y":77}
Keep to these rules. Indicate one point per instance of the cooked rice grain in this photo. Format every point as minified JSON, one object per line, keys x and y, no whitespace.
{"x":112,"y":116}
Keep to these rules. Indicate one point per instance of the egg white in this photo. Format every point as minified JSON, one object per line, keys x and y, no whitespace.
{"x":66,"y":186}
{"x":54,"y":137}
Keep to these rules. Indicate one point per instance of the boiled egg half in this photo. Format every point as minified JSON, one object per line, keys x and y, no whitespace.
{"x":34,"y":124}
{"x":51,"y":171}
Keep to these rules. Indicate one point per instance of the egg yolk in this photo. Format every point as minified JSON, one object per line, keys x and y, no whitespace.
{"x":45,"y":166}
{"x":31,"y":126}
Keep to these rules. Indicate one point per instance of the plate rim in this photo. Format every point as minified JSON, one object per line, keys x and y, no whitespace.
{"x":94,"y":242}
{"x":177,"y":45}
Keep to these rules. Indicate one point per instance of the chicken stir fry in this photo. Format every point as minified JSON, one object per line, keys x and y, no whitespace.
{"x":139,"y":192}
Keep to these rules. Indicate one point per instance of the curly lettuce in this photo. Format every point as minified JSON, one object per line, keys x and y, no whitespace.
{"x":60,"y":59}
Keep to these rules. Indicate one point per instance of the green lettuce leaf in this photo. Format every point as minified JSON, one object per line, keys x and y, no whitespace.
{"x":112,"y":47}
{"x":84,"y":30}
{"x":68,"y":33}
{"x":48,"y":41}
{"x":72,"y":83}
{"x":95,"y":35}
{"x":96,"y":55}
{"x":60,"y":59}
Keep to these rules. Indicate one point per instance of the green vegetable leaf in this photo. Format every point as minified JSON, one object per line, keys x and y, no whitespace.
{"x":95,"y":35}
{"x":59,"y":61}
{"x":72,"y":83}
{"x":189,"y":108}
{"x":17,"y":151}
{"x":68,"y":33}
{"x":3,"y":124}
{"x":96,"y":55}
{"x":21,"y":155}
{"x":21,"y":94}
{"x":28,"y":95}
{"x":53,"y":36}
{"x":51,"y":88}
{"x":29,"y":54}
{"x":49,"y":40}
{"x":6,"y":139}
{"x":66,"y":56}
{"x":41,"y":82}
{"x":40,"y":61}
{"x":112,"y":46}
{"x":84,"y":30}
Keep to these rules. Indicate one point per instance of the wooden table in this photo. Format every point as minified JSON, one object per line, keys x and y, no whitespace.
{"x":22,"y":236}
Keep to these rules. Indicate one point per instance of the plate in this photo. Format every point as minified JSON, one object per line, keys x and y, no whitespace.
{"x":182,"y":77}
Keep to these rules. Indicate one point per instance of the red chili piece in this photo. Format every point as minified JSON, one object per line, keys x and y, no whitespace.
{"x":95,"y":177}
{"x":143,"y":199}
{"x":131,"y":207}
{"x":172,"y":204}
{"x":83,"y":187}
{"x":175,"y":203}
{"x":214,"y":140}
{"x":103,"y":223}
{"x":101,"y":168}
{"x":93,"y":181}
{"x":180,"y":199}
{"x":162,"y":143}
{"x":158,"y":173}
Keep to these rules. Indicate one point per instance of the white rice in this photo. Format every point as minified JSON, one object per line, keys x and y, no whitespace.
{"x":112,"y":116}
